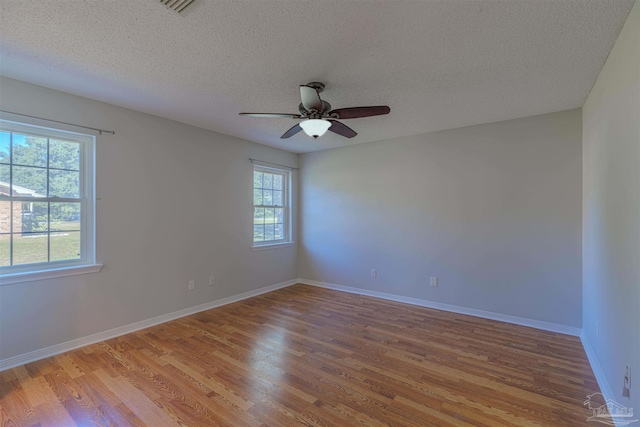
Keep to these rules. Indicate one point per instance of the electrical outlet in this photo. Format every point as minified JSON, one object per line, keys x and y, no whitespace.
{"x":212,"y":280}
{"x":374,"y":272}
{"x":434,"y":282}
{"x":192,"y":285}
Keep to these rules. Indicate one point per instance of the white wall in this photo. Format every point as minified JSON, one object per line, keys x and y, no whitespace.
{"x":175,"y":205}
{"x":611,"y":214}
{"x":494,"y":211}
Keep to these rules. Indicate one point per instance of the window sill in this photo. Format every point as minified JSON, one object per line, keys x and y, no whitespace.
{"x":32,"y":276}
{"x":272,"y":246}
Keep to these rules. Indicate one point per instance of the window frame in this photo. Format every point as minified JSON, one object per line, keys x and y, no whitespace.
{"x":286,"y":206}
{"x":87,"y":261}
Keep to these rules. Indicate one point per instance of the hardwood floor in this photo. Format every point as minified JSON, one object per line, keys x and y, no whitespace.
{"x":309,"y":356}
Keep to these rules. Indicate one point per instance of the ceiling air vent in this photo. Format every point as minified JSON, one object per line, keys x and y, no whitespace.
{"x":177,"y":5}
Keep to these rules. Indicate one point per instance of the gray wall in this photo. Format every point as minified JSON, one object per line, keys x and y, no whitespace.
{"x":175,"y":205}
{"x":611,"y":214}
{"x":494,"y":211}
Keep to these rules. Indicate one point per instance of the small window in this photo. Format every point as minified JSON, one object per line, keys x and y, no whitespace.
{"x":271,"y":206}
{"x":46,"y":199}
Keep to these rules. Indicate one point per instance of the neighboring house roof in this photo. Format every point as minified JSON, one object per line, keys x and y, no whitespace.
{"x":18,"y":191}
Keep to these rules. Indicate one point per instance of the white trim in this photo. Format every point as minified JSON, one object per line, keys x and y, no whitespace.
{"x":32,"y":356}
{"x":32,"y":276}
{"x":287,"y":206}
{"x":537,"y":324}
{"x":605,"y":388}
{"x":272,"y":246}
{"x":86,"y":199}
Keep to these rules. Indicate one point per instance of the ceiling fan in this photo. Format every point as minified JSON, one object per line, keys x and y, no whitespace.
{"x":318,"y":117}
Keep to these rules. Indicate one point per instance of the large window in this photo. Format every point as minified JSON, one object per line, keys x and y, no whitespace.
{"x":46,"y":199}
{"x":271,"y":211}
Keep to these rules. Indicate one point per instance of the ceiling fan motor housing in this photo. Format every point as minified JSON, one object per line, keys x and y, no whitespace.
{"x":326,"y":107}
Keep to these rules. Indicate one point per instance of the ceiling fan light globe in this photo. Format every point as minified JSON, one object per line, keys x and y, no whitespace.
{"x":315,"y":127}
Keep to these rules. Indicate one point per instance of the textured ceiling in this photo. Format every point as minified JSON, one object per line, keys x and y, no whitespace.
{"x":437,"y":64}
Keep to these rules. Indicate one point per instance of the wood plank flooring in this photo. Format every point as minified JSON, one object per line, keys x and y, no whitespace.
{"x":314,"y":357}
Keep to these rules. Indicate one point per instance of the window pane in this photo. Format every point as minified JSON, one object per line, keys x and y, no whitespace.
{"x":258,"y":233}
{"x":43,"y":172}
{"x":30,"y":248}
{"x":269,"y":216}
{"x":64,"y":155}
{"x":257,"y":179}
{"x":258,"y":216}
{"x":65,"y":216}
{"x":65,"y":245}
{"x":267,"y":197}
{"x":267,"y":181}
{"x":29,"y":150}
{"x":277,"y":198}
{"x":270,"y":190}
{"x":257,"y":197}
{"x":269,"y":232}
{"x":5,"y":216}
{"x":5,"y":171}
{"x":279,"y":232}
{"x":29,"y":182}
{"x":34,"y":217}
{"x":5,"y":255}
{"x":64,"y":184}
{"x":277,"y":182}
{"x":5,"y":147}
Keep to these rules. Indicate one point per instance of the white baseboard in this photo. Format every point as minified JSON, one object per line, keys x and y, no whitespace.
{"x":605,"y":388}
{"x":42,"y":353}
{"x":537,"y":324}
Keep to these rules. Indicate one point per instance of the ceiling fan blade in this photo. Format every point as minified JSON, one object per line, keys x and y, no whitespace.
{"x":288,"y":134}
{"x":356,"y":112}
{"x":273,"y":115}
{"x":342,"y":129}
{"x":310,"y":98}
